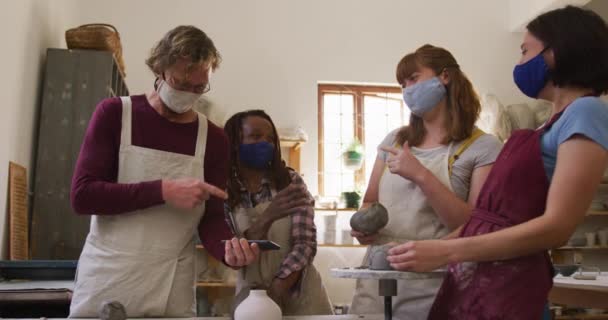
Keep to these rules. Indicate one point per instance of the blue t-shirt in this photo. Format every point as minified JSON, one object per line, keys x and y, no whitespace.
{"x":587,"y":116}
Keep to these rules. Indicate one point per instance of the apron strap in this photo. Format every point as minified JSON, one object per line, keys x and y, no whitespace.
{"x":125,"y":132}
{"x":201,"y":140}
{"x":463,"y":147}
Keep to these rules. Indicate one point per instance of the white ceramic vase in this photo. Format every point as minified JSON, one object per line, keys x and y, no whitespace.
{"x":256,"y":306}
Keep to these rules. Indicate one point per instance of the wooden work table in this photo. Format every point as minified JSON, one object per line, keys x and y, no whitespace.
{"x":580,"y":293}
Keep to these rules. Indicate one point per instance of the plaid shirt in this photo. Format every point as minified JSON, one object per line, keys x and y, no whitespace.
{"x":303,"y":229}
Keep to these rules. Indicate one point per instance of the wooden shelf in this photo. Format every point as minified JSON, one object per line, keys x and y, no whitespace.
{"x":329,"y":245}
{"x":583,"y":316}
{"x":294,"y":152}
{"x":597,"y":213}
{"x":215,"y":284}
{"x":291,"y":143}
{"x":583,"y":248}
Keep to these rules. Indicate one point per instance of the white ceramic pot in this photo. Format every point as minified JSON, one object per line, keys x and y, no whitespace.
{"x":603,"y":236}
{"x":329,"y":237}
{"x":591,"y":236}
{"x":346,"y":237}
{"x":256,"y":306}
{"x":329,"y":222}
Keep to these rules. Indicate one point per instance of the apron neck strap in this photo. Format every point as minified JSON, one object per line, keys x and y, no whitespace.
{"x":463,"y":147}
{"x":201,"y":138}
{"x":125,"y":132}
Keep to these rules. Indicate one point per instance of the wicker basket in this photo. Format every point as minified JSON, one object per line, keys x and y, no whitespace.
{"x":97,"y":36}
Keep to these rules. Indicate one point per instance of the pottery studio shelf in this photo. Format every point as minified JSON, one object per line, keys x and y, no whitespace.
{"x":597,"y":213}
{"x":583,"y":317}
{"x":215,"y":284}
{"x":583,"y":248}
{"x":294,"y":147}
{"x":330,"y":245}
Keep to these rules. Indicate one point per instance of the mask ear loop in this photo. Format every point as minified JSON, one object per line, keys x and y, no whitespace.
{"x":549,"y":76}
{"x":157,"y":80}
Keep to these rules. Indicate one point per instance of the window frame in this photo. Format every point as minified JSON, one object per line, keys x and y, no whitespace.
{"x":358,"y":92}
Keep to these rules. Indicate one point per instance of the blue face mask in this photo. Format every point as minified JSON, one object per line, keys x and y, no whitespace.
{"x":424,"y":96}
{"x":256,"y":155}
{"x":531,"y":77}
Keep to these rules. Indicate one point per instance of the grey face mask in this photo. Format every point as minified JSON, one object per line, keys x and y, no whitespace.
{"x":424,"y":96}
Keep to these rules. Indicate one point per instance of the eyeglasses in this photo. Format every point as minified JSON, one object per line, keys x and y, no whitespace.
{"x":201,"y":89}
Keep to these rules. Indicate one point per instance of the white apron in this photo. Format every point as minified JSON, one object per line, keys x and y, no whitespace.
{"x":143,"y":259}
{"x":411,"y":217}
{"x":312,"y":298}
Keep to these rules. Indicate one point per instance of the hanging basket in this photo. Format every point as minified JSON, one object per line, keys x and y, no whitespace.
{"x":352,"y":160}
{"x":97,"y":36}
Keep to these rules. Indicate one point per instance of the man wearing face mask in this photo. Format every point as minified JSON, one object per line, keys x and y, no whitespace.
{"x":151,"y":172}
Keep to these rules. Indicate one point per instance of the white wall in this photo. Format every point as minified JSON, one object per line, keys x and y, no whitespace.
{"x":523,"y":11}
{"x":275,"y":51}
{"x":27,"y":28}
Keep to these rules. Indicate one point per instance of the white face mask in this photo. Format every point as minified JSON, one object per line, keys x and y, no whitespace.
{"x":176,"y":100}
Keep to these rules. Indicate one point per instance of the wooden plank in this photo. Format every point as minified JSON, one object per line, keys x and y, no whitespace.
{"x":342,"y":245}
{"x":218,"y":284}
{"x":18,"y":213}
{"x":294,"y":158}
{"x":360,"y":135}
{"x":582,"y":248}
{"x":579,"y":297}
{"x":320,"y":163}
{"x":597,"y":213}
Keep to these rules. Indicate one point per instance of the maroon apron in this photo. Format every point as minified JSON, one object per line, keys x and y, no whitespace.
{"x":515,"y":191}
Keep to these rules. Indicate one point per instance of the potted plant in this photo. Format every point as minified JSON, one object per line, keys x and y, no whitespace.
{"x":353,"y":155}
{"x":351,"y":199}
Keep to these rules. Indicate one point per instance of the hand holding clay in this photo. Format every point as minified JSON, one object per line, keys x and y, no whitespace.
{"x":370,"y":220}
{"x":377,"y":257}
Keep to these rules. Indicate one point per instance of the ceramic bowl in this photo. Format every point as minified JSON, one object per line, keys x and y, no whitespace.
{"x":577,"y":241}
{"x":565,"y":270}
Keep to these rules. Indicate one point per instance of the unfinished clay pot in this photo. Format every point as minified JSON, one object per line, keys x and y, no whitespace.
{"x":370,"y":220}
{"x":377,"y":258}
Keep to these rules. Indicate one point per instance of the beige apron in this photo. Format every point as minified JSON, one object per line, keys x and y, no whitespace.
{"x":143,"y":259}
{"x":312,"y":298}
{"x":411,"y":217}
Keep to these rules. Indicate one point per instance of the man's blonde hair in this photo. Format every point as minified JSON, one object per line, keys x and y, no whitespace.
{"x":183,"y":42}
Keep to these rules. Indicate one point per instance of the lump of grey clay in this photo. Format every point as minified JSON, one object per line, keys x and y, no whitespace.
{"x":112,"y":310}
{"x":370,"y":220}
{"x":377,"y":258}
